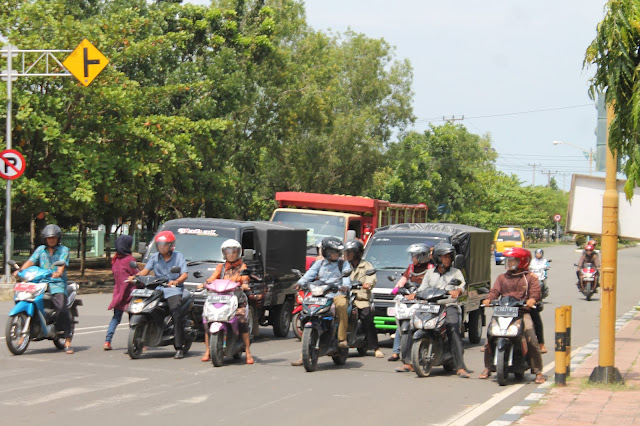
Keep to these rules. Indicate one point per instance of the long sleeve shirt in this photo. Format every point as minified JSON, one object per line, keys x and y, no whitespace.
{"x":594,"y":258}
{"x":363,"y":296}
{"x":523,"y":285}
{"x":433,"y":279}
{"x":329,"y":272}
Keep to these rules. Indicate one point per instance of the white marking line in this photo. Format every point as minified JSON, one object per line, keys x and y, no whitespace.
{"x":266,"y":404}
{"x":195,"y":400}
{"x":75,"y":391}
{"x":102,"y":328}
{"x":116,"y":399}
{"x":49,"y":381}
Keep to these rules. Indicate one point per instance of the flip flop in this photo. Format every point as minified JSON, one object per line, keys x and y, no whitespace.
{"x":68,"y":350}
{"x":485,"y":375}
{"x":404,"y":369}
{"x":394,"y":357}
{"x":464,"y":374}
{"x":540,"y":379}
{"x":205,"y":358}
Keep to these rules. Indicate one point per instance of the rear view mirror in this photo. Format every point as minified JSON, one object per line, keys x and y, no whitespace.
{"x":248,"y":255}
{"x":59,"y":263}
{"x":549,"y":260}
{"x":198,"y":274}
{"x":351,"y":235}
{"x":391,"y":277}
{"x":133,"y":264}
{"x":459,"y":261}
{"x":370,"y":272}
{"x":245,"y":272}
{"x":142,"y":247}
{"x":12,"y":263}
{"x":176,"y":270}
{"x":346,"y":273}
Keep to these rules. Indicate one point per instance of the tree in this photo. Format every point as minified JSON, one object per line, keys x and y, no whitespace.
{"x":615,"y":54}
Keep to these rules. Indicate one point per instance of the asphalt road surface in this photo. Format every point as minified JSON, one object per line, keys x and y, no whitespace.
{"x":104,"y":388}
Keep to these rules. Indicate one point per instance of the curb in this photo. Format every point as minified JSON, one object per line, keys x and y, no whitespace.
{"x":516,"y":412}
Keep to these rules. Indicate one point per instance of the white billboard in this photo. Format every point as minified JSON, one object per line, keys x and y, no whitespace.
{"x":585,"y":208}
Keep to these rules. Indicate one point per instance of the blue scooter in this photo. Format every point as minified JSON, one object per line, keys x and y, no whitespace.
{"x":33,"y":316}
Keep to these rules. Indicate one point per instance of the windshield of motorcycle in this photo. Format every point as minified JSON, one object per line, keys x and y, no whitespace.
{"x":318,"y":225}
{"x":588,"y":267}
{"x":199,"y":243}
{"x":385,"y":252}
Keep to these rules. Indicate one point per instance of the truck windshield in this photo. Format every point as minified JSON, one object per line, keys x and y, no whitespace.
{"x":386,"y":252}
{"x":318,"y":225}
{"x":198,"y":243}
{"x":509,"y":236}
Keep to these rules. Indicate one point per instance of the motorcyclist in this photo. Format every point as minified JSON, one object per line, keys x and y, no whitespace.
{"x":161,"y":263}
{"x":44,"y":257}
{"x":332,"y":270}
{"x":421,"y":260}
{"x":230,"y":270}
{"x":588,"y":256}
{"x":539,"y":262}
{"x":441,"y":277}
{"x":517,"y":282}
{"x":353,"y":251}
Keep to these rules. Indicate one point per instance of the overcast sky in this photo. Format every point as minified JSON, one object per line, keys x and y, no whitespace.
{"x":492,"y":62}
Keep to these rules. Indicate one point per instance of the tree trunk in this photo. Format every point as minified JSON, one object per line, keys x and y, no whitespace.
{"x":107,"y":239}
{"x":32,"y":232}
{"x":83,"y":244}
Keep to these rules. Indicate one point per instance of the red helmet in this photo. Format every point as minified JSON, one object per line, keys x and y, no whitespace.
{"x":588,"y":247}
{"x":523,"y":255}
{"x":166,"y":237}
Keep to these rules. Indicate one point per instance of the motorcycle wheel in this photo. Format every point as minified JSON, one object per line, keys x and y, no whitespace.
{"x":15,"y":324}
{"x":309,"y":350}
{"x":519,"y":375}
{"x":362,"y":350}
{"x":282,"y":319}
{"x":135,"y":343}
{"x":59,"y":342}
{"x":475,"y":326}
{"x":419,"y":351}
{"x":588,"y":292}
{"x":216,"y":349}
{"x":449,"y":366}
{"x":502,"y":368}
{"x":186,"y":346}
{"x":341,"y":357}
{"x":296,"y":325}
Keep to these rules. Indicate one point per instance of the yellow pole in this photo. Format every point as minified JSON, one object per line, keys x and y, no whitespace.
{"x":567,"y":317}
{"x":606,"y":372}
{"x":561,"y":346}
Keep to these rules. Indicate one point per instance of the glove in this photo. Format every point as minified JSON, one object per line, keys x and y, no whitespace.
{"x":395,"y":291}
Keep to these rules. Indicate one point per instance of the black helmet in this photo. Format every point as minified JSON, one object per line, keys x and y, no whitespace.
{"x":52,"y":231}
{"x":331,"y":243}
{"x":420,"y":251}
{"x":440,"y":250}
{"x":356,"y":247}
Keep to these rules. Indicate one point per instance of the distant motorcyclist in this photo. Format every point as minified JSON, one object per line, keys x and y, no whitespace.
{"x":421,"y":260}
{"x":588,"y":256}
{"x":44,"y":257}
{"x":517,"y":282}
{"x":539,"y":262}
{"x":441,"y":277}
{"x":332,"y":270}
{"x":353,"y":251}
{"x":161,"y":263}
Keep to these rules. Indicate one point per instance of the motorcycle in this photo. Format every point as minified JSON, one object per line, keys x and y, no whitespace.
{"x":296,"y":324}
{"x":431,"y":346}
{"x":150,"y":322}
{"x":33,"y":316}
{"x":590,"y":276}
{"x":356,"y":335}
{"x":540,"y":271}
{"x":506,"y":338}
{"x":404,"y":312}
{"x":320,"y":335}
{"x":221,"y":321}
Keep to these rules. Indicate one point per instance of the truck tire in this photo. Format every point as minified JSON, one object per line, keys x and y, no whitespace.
{"x":475,"y":325}
{"x":281,"y":319}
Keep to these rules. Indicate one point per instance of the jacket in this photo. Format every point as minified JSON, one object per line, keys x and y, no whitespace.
{"x":363,"y":296}
{"x":522,"y":285}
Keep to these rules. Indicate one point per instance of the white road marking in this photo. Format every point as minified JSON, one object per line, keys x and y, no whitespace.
{"x":102,"y":328}
{"x":35,"y":383}
{"x":195,"y":400}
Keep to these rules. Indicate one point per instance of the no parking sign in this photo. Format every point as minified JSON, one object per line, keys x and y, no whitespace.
{"x":12,"y":164}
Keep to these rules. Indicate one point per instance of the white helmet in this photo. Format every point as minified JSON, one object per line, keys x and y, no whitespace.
{"x":229,"y":247}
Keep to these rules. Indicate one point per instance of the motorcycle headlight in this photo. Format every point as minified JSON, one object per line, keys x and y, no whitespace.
{"x":513,"y":329}
{"x":23,"y":295}
{"x":494,"y":328}
{"x":431,"y":323}
{"x":417,"y":322}
{"x":136,"y":308}
{"x":151,"y":305}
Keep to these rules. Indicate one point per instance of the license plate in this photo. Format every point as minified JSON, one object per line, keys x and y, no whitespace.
{"x":219,"y":298}
{"x":505,"y":311}
{"x":391,"y":312}
{"x":28,"y":287}
{"x":431,"y":309}
{"x":315,"y":301}
{"x":142,"y":292}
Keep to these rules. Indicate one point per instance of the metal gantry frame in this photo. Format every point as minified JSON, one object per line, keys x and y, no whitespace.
{"x":52,"y":68}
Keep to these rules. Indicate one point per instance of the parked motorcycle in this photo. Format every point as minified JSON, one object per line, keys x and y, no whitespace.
{"x":540,"y":271}
{"x":33,"y":316}
{"x":222,"y":323}
{"x":507,"y":342}
{"x":590,"y":277}
{"x":431,"y":346}
{"x":150,"y":321}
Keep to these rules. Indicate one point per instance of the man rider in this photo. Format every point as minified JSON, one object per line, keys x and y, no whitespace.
{"x":353,"y":251}
{"x":332,"y":270}
{"x":161,"y":263}
{"x":588,"y":256}
{"x":44,"y":257}
{"x":445,"y":276}
{"x":420,"y":261}
{"x":517,"y":282}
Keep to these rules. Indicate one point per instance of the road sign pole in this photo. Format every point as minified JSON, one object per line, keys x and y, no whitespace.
{"x":7,"y":218}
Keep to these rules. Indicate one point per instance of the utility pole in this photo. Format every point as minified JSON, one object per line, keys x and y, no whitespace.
{"x":549,"y":173}
{"x":534,"y":165}
{"x":564,"y":181}
{"x":453,"y":119}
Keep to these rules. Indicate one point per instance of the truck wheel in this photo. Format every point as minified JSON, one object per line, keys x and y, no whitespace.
{"x":419,"y":351}
{"x":475,"y":325}
{"x":309,"y":349}
{"x":16,"y":341}
{"x":502,"y":368}
{"x":282,"y":319}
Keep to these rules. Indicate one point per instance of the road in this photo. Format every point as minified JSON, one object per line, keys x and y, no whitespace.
{"x":97,"y":387}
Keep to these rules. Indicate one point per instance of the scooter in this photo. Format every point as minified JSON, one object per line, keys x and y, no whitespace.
{"x":33,"y":316}
{"x":541,"y":272}
{"x":221,"y":321}
{"x":356,"y":335}
{"x":507,"y":342}
{"x":431,"y":345}
{"x":404,"y":312}
{"x":590,"y":278}
{"x":320,"y":335}
{"x":150,"y":322}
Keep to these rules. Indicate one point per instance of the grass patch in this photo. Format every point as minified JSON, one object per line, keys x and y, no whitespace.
{"x":532,"y":407}
{"x":585,"y":384}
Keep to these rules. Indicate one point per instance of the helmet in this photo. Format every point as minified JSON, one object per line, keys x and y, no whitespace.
{"x":523,"y":255}
{"x":52,"y":231}
{"x":165,"y":237}
{"x":592,"y":242}
{"x":441,"y":249}
{"x":230,"y":246}
{"x":541,"y":252}
{"x":331,"y":243}
{"x":356,"y":247}
{"x":419,"y":251}
{"x":588,"y":247}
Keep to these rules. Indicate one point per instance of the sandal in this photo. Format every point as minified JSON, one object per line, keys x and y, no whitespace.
{"x":540,"y":379}
{"x":463,"y":373}
{"x":543,"y":350}
{"x":205,"y":358}
{"x":250,"y":360}
{"x":394,"y":357}
{"x":405,"y":369}
{"x":485,"y":374}
{"x":68,"y":350}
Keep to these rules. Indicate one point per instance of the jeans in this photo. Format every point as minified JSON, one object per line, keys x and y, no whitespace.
{"x":117,"y":317}
{"x":396,"y":342}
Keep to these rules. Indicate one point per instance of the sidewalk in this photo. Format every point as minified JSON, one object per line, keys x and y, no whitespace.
{"x":581,"y":403}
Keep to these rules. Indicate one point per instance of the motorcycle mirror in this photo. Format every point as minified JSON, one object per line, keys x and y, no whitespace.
{"x":483,"y":290}
{"x":575,"y":264}
{"x":133,"y":264}
{"x":391,"y":278}
{"x":245,"y":272}
{"x":59,"y":263}
{"x":175,"y":270}
{"x":549,"y":260}
{"x":198,"y":274}
{"x":370,"y":272}
{"x":13,"y":263}
{"x":346,"y":273}
{"x":455,"y":281}
{"x":296,"y":271}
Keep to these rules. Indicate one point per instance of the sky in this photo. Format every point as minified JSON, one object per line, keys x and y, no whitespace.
{"x":513,"y":69}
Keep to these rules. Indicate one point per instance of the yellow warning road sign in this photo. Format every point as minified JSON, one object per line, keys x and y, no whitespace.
{"x":85,"y":62}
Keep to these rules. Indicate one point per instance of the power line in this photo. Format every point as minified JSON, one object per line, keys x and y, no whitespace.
{"x":506,"y":114}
